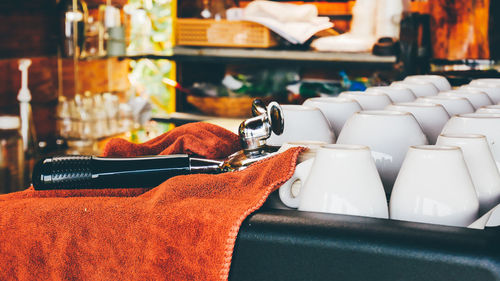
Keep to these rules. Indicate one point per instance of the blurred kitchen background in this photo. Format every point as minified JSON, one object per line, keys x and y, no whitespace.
{"x":137,"y":68}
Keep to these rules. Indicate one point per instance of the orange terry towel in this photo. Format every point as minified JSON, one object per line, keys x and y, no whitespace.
{"x":183,"y":229}
{"x":200,"y":139}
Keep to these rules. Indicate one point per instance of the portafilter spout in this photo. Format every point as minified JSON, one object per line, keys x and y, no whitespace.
{"x":253,"y":134}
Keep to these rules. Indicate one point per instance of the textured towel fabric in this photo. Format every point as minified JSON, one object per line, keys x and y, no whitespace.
{"x":184,"y":229}
{"x":199,"y":139}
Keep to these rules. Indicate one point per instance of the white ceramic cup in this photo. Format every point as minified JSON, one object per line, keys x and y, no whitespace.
{"x":434,"y":186}
{"x":368,"y":100}
{"x":303,"y":123}
{"x":419,"y":88}
{"x":396,"y":93}
{"x":481,"y":165}
{"x":488,"y":82}
{"x":437,"y":80}
{"x":492,"y":91}
{"x":473,"y":123}
{"x":343,"y":179}
{"x":489,"y":109}
{"x":312,"y":148}
{"x":490,"y":219}
{"x":336,"y":110}
{"x":453,"y":105}
{"x":431,"y":117}
{"x":388,"y":134}
{"x":292,"y":187}
{"x":475,"y":97}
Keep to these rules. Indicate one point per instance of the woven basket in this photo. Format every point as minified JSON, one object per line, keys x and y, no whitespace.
{"x":223,"y":33}
{"x":233,"y":107}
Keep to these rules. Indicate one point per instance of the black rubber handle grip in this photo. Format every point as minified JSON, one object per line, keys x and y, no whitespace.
{"x":80,"y":172}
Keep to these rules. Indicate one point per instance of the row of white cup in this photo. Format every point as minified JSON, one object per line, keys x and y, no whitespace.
{"x":391,"y":133}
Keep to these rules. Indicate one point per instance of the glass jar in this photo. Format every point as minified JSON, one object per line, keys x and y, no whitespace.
{"x":64,"y":121}
{"x":11,"y":155}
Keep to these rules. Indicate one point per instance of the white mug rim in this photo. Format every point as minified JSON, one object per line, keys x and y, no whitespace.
{"x":429,"y":147}
{"x":491,"y":106}
{"x":442,"y":97}
{"x":462,"y":92}
{"x":417,"y":104}
{"x":462,"y":136}
{"x":384,"y":113}
{"x":365,"y":93}
{"x":414,"y":82}
{"x":479,"y":87}
{"x":382,"y":88}
{"x":305,"y":142}
{"x":352,"y":147}
{"x":331,"y":100}
{"x":479,"y":115}
{"x":298,"y":107}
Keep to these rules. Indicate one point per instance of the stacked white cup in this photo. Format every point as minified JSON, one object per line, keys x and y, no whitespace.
{"x":449,"y":183}
{"x":475,"y":97}
{"x":330,"y":183}
{"x":434,"y":186}
{"x":303,"y":123}
{"x":489,"y":109}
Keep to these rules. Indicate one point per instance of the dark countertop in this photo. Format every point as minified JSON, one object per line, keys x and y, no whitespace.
{"x":292,"y":245}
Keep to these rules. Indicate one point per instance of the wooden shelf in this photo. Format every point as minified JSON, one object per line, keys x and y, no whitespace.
{"x":181,"y":53}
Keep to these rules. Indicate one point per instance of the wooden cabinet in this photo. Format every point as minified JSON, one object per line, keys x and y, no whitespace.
{"x":30,"y":29}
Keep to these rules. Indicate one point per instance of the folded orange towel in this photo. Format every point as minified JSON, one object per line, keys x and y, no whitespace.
{"x":200,"y":139}
{"x":184,"y":229}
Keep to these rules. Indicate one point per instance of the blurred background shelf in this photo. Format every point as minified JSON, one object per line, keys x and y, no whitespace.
{"x":273,"y":54}
{"x":183,"y":53}
{"x":234,"y":54}
{"x":33,"y":30}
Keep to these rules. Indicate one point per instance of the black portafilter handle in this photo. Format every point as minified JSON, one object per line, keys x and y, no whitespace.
{"x":91,"y":172}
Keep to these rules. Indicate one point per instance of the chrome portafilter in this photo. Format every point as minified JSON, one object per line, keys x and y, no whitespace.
{"x":253,"y":134}
{"x":80,"y":172}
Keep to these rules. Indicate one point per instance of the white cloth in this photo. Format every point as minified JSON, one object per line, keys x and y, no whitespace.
{"x":295,"y":23}
{"x":344,"y":43}
{"x":282,"y":12}
{"x":372,"y":19}
{"x":360,"y":38}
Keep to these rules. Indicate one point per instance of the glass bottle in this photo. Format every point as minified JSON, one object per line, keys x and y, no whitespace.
{"x":64,"y":121}
{"x":27,"y":127}
{"x":219,"y":8}
{"x":215,"y":9}
{"x":72,"y":16}
{"x":11,"y":155}
{"x":115,"y":31}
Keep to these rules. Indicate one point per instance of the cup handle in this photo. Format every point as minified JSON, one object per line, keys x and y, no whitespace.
{"x":286,"y":191}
